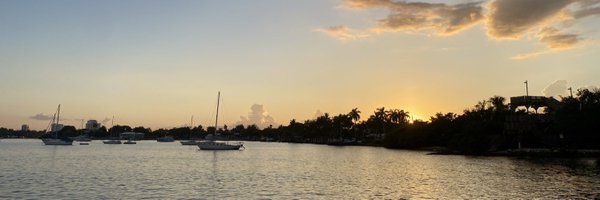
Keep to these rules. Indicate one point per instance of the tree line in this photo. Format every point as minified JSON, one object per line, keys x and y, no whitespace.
{"x":481,"y":128}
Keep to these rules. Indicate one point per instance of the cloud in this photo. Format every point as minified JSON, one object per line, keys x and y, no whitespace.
{"x":342,"y":33}
{"x":590,"y":87}
{"x":442,"y":19}
{"x":556,"y":40}
{"x":105,"y":120}
{"x":588,"y":8}
{"x":534,"y":54}
{"x":317,"y":114}
{"x":511,"y":19}
{"x":258,"y":116}
{"x":556,"y":89}
{"x":42,"y":116}
{"x":546,"y":21}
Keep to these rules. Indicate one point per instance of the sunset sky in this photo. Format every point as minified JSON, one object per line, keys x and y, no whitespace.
{"x":157,"y":63}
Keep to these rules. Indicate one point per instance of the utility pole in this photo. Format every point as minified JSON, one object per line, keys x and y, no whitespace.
{"x":571,"y":90}
{"x":526,"y":89}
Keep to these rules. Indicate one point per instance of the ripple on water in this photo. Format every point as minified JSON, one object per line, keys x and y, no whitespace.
{"x":151,"y":170}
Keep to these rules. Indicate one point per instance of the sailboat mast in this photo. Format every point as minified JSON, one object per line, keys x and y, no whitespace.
{"x":55,"y":126}
{"x":217,"y":117}
{"x":58,"y":115}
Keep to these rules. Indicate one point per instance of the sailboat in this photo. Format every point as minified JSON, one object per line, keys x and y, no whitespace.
{"x":111,"y":141}
{"x":212,"y":144}
{"x":190,"y":142}
{"x":54,"y":128}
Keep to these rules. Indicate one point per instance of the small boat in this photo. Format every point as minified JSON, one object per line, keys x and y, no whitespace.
{"x":54,"y":128}
{"x":129,"y":141}
{"x":57,"y":141}
{"x":112,"y":142}
{"x":112,"y":138}
{"x":212,"y":144}
{"x":165,"y":139}
{"x":189,"y":142}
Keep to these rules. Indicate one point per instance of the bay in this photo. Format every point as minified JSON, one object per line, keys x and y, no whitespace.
{"x":152,"y":170}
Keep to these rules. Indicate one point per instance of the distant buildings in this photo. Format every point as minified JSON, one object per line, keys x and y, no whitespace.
{"x":92,"y":125}
{"x":24,"y":127}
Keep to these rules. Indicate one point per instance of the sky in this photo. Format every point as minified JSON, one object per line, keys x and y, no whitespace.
{"x":158,"y":63}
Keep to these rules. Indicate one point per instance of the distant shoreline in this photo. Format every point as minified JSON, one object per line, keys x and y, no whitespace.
{"x":540,"y":152}
{"x":525,"y":152}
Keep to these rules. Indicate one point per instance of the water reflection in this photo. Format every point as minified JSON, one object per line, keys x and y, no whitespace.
{"x":282,"y":171}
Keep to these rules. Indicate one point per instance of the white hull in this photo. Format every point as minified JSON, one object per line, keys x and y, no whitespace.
{"x":212,"y":145}
{"x":54,"y":141}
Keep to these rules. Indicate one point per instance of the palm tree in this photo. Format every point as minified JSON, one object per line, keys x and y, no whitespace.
{"x":497,"y":103}
{"x":354,"y":114}
{"x":380,"y":114}
{"x":397,"y":116}
{"x":380,"y":117}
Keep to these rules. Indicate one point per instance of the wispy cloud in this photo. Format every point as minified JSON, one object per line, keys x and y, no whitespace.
{"x":554,"y":39}
{"x":41,"y":116}
{"x":524,"y":56}
{"x":544,"y":20}
{"x":342,"y":33}
{"x":511,"y":19}
{"x":106,"y":120}
{"x":587,"y":8}
{"x":442,"y":19}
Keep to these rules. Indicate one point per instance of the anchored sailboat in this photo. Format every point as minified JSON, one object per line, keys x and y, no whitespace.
{"x":190,"y":142}
{"x":211,"y":144}
{"x":54,"y":125}
{"x":112,"y":141}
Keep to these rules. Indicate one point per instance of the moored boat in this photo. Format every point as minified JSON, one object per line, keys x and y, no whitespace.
{"x":212,"y":144}
{"x":55,"y":140}
{"x":189,"y":142}
{"x":112,"y":142}
{"x":129,"y":141}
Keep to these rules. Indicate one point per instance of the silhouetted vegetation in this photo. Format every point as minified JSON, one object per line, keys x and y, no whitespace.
{"x":490,"y":125}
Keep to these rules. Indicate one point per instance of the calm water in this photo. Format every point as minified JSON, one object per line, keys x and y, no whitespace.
{"x":151,"y":170}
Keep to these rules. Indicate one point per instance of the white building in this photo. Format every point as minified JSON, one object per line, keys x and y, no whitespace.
{"x":24,"y":127}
